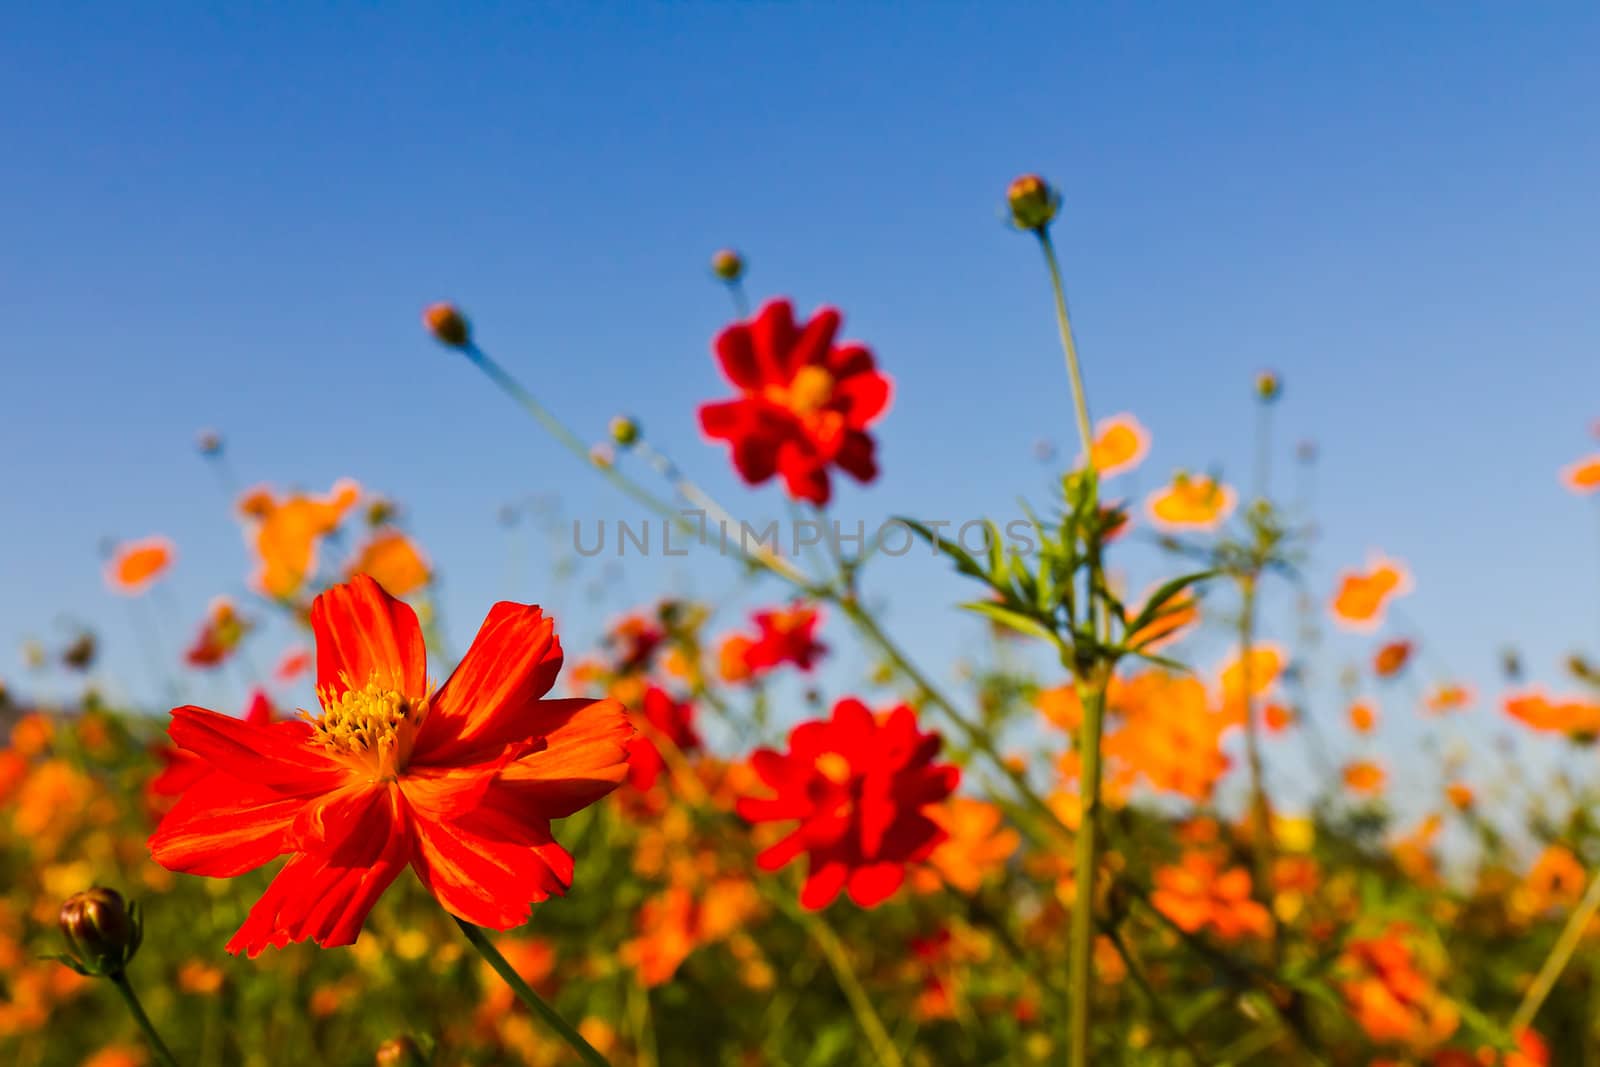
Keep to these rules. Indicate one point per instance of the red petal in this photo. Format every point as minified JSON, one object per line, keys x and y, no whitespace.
{"x":725,"y":420}
{"x":365,"y":635}
{"x":585,"y":756}
{"x":814,"y":342}
{"x":823,"y":884}
{"x":876,"y":882}
{"x":492,"y":698}
{"x":490,"y":869}
{"x":224,"y":827}
{"x":276,"y":756}
{"x":772,"y":335}
{"x":327,"y":897}
{"x":737,"y":356}
{"x":865,"y":398}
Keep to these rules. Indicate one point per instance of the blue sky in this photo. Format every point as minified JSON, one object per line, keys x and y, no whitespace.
{"x":232,"y":220}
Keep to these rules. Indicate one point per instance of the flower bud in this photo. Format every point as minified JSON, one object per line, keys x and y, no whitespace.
{"x":624,"y":431}
{"x":209,"y":442}
{"x":1268,"y":386}
{"x":447,"y":325}
{"x":1033,"y":203}
{"x":102,"y":931}
{"x":603,"y":456}
{"x":400,"y":1051}
{"x":728,"y":265}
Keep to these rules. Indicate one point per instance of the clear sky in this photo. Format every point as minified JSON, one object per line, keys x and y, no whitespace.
{"x":232,"y":220}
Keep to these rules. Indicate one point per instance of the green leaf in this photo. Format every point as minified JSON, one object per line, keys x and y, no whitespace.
{"x":1015,"y":620}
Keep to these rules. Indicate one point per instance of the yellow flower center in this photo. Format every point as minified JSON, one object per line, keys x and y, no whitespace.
{"x":373,"y":725}
{"x":810,"y":389}
{"x":834,"y":767}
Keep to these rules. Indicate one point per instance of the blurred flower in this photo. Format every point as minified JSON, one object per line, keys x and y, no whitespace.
{"x":1364,"y":778}
{"x":727,"y":265}
{"x":1392,"y":658}
{"x":447,"y":324}
{"x":1362,"y":596}
{"x":285,"y":533}
{"x":1460,"y":795}
{"x":1120,"y":445}
{"x":976,"y":846}
{"x":80,"y":652}
{"x":1033,"y":202}
{"x":1363,"y":717}
{"x":1192,"y":502}
{"x":400,"y":1051}
{"x":209,"y":443}
{"x":1449,"y":696}
{"x":785,"y":635}
{"x":392,"y":560}
{"x":660,"y":717}
{"x":1582,"y":477}
{"x":1390,"y":997}
{"x":1574,"y":716}
{"x":1268,"y":386}
{"x":293,"y":663}
{"x":199,"y":978}
{"x":860,"y":787}
{"x":1199,"y":894}
{"x":117,"y":1056}
{"x":806,"y":401}
{"x":219,"y":635}
{"x":461,"y":782}
{"x":624,"y":431}
{"x":135,"y":565}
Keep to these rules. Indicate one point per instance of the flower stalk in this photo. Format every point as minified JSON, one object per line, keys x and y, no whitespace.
{"x":525,"y":993}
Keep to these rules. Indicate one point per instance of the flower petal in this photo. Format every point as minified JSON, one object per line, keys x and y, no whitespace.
{"x":365,"y":635}
{"x":584,"y":757}
{"x":276,"y":756}
{"x":492,"y":699}
{"x":223,"y":827}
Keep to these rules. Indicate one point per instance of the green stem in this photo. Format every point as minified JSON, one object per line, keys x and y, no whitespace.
{"x":1092,"y":696}
{"x":164,"y":1054}
{"x":839,"y":961}
{"x":1068,"y":345}
{"x":525,"y":993}
{"x":1560,"y":953}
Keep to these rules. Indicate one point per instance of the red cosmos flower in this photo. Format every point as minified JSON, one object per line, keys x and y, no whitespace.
{"x":788,"y":635}
{"x":460,"y":782}
{"x":860,"y":787}
{"x":673,"y":721}
{"x":181,"y":769}
{"x":806,"y":402}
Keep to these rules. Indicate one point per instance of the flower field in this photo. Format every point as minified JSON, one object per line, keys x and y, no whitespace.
{"x":775,"y":835}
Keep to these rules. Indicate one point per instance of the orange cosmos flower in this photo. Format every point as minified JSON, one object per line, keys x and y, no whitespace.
{"x":1448,"y":697}
{"x":394,"y":562}
{"x":1363,"y":717}
{"x":285,"y":533}
{"x":1392,"y":658}
{"x":1198,"y":893}
{"x":1555,"y":880}
{"x":1263,"y":668}
{"x":1390,"y":996}
{"x":1120,"y":445}
{"x":1582,"y":477}
{"x":1193,"y":503}
{"x":977,"y":844}
{"x":1364,"y":778}
{"x":1460,"y":795}
{"x":294,"y":663}
{"x":1574,"y":716}
{"x":136,"y":565}
{"x":459,"y":782}
{"x":1363,"y":596}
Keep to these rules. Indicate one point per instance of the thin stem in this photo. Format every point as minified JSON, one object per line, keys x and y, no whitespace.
{"x":164,"y":1054}
{"x":1560,"y":953}
{"x":525,"y":993}
{"x":1260,"y":810}
{"x":1068,"y":345}
{"x":839,"y":961}
{"x":1092,"y":697}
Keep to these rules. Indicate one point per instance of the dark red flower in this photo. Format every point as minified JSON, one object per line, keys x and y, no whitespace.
{"x":787,"y":635}
{"x":663,"y":716}
{"x":805,"y":405}
{"x":859,"y":787}
{"x":460,"y":782}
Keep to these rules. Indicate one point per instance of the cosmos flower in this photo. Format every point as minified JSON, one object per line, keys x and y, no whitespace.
{"x":1363,"y":596}
{"x":806,"y":402}
{"x":460,"y":782}
{"x":1192,"y":503}
{"x":664,"y":718}
{"x":859,"y":786}
{"x":1392,"y":658}
{"x":284,"y":534}
{"x":1120,"y":445}
{"x":135,"y":566}
{"x":394,"y":561}
{"x":219,"y":635}
{"x":1198,"y":893}
{"x":1583,"y":476}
